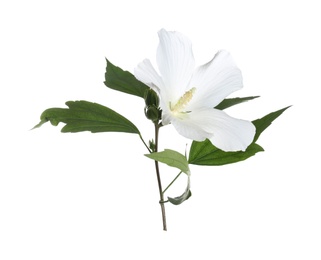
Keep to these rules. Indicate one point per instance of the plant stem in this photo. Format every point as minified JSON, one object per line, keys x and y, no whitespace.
{"x":161,"y":201}
{"x":172,"y":181}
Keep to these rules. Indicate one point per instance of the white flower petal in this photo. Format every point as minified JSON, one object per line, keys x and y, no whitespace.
{"x":215,"y":80}
{"x":146,"y":73}
{"x":175,"y":61}
{"x":231,"y":134}
{"x":190,"y":126}
{"x":225,"y":132}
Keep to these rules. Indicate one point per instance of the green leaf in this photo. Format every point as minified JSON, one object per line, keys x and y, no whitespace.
{"x":228,"y":102}
{"x":180,"y":199}
{"x":124,"y":81}
{"x":171,"y":158}
{"x":185,"y":196}
{"x":205,"y":153}
{"x":262,"y":123}
{"x":87,"y":116}
{"x":177,"y":160}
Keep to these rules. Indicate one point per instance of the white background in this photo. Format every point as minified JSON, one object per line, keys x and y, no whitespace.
{"x":94,"y":196}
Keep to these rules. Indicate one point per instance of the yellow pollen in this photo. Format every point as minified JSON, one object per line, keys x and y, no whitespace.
{"x":183,"y":101}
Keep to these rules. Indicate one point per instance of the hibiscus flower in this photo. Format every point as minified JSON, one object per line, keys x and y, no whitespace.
{"x":188,"y":94}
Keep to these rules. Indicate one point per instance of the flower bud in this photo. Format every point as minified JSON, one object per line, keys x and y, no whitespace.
{"x":151,"y":98}
{"x":152,"y":113}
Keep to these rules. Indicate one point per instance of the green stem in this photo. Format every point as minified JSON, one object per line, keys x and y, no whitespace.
{"x":161,"y":201}
{"x":172,"y":182}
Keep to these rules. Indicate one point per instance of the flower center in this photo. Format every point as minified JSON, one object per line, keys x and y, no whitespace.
{"x":183,"y":101}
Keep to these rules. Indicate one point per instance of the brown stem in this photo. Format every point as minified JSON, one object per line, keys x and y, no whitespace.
{"x":161,"y":202}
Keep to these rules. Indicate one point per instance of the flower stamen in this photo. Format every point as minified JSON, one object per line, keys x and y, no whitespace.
{"x":183,"y":101}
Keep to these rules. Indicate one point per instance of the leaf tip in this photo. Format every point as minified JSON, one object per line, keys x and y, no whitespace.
{"x":39,"y":124}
